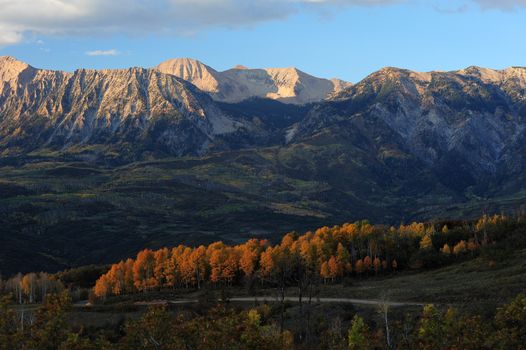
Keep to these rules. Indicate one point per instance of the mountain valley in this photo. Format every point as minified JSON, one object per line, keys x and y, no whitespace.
{"x":117,"y":160}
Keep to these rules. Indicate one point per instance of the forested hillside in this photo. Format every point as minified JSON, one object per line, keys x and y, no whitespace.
{"x":37,"y":310}
{"x":325,"y":255}
{"x":83,"y":156}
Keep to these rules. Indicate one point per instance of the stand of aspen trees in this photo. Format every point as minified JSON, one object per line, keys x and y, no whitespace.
{"x":326,"y":255}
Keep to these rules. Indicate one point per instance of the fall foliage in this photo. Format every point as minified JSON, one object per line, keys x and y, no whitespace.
{"x":329,"y":254}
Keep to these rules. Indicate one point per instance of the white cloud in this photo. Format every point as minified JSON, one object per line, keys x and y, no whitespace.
{"x":111,"y":52}
{"x":33,"y":18}
{"x":9,"y":36}
{"x":134,"y":17}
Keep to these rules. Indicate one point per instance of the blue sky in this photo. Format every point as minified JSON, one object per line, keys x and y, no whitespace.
{"x":347,"y":39}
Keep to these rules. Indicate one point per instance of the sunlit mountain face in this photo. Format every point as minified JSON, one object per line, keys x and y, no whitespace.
{"x":230,"y":153}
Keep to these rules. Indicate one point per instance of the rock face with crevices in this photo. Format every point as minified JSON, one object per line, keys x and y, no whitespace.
{"x":466,"y":126}
{"x":288,"y":85}
{"x":141,"y":106}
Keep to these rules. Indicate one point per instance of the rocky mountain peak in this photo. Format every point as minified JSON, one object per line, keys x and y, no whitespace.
{"x":108,"y":106}
{"x":518,"y":72}
{"x":288,"y":85}
{"x":485,"y":74}
{"x":464,"y":125}
{"x":6,"y":60}
{"x":241,"y":67}
{"x":199,"y":74}
{"x":10,"y":68}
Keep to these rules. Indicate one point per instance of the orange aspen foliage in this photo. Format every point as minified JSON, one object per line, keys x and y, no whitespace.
{"x":376,"y":263}
{"x":426,"y":242}
{"x":115,"y":278}
{"x":28,"y":285}
{"x":367,"y":263}
{"x":217,"y":259}
{"x":334,"y":268}
{"x":308,"y":254}
{"x":199,"y":261}
{"x":171,"y":268}
{"x":460,"y":247}
{"x":358,"y":266}
{"x":446,"y":249}
{"x":230,"y":266}
{"x":325,"y":252}
{"x":325,"y":272}
{"x":143,"y":276}
{"x":288,"y":239}
{"x":102,"y":287}
{"x":248,"y":261}
{"x":187,"y":268}
{"x":161,"y":256}
{"x":266,"y":263}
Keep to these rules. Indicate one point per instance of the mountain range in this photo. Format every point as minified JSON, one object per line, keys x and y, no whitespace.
{"x":466,"y":125}
{"x":184,"y":153}
{"x":288,"y":85}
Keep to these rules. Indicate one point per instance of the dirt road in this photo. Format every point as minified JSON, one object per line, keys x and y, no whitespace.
{"x":290,"y":299}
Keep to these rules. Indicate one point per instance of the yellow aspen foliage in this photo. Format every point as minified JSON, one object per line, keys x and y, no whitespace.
{"x":335,"y":269}
{"x":325,"y":272}
{"x":266,"y":263}
{"x":446,"y":249}
{"x":426,"y":243}
{"x":248,"y":261}
{"x":460,"y":247}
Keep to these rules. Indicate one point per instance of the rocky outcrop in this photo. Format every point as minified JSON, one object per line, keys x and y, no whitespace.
{"x":288,"y":85}
{"x":141,"y":106}
{"x":464,"y":125}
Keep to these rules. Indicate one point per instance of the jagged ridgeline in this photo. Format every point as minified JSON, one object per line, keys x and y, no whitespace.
{"x":136,"y":107}
{"x":470,"y":121}
{"x":122,"y":159}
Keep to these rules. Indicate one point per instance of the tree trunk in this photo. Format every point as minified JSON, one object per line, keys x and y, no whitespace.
{"x":307,"y":334}
{"x":282,"y":316}
{"x":385,"y":310}
{"x":300,"y":297}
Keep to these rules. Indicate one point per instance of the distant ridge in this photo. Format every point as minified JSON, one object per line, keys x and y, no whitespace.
{"x":288,"y":85}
